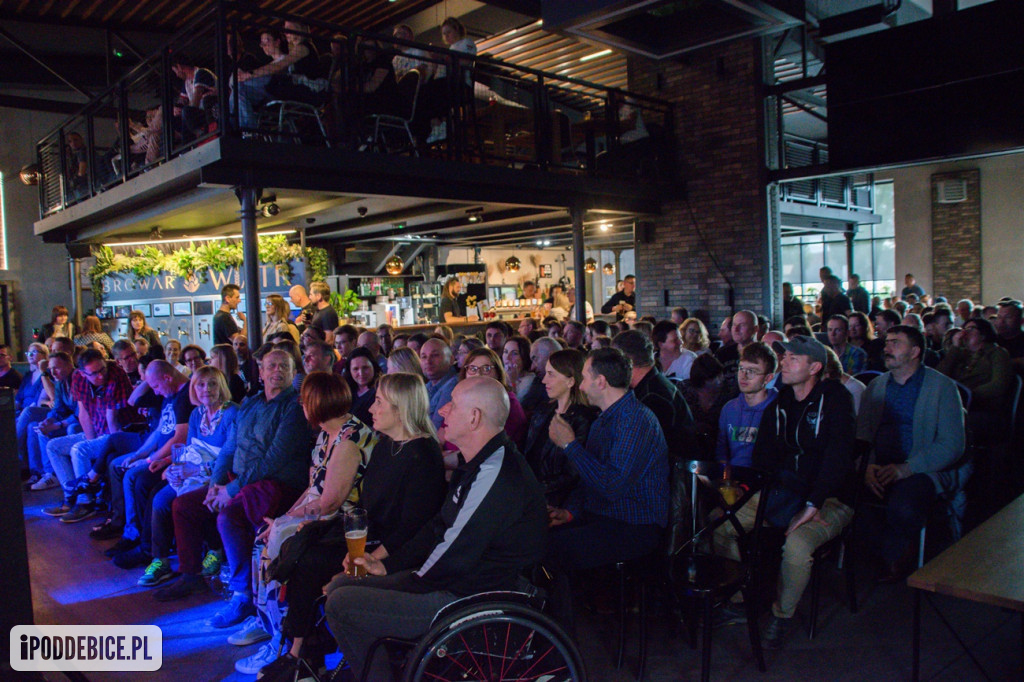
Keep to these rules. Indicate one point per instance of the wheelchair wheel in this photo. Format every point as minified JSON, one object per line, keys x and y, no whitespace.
{"x":498,"y":642}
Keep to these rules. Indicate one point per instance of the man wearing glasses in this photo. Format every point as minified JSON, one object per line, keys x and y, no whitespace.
{"x":740,"y":418}
{"x":101,"y":389}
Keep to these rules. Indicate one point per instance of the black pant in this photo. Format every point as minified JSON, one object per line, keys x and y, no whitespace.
{"x":319,"y":563}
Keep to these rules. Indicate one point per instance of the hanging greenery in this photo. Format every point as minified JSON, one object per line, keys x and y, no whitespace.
{"x":196,"y":260}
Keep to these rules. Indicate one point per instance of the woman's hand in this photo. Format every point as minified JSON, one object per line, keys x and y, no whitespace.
{"x":262,"y":537}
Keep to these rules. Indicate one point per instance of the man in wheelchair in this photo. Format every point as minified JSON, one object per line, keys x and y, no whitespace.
{"x":492,"y":525}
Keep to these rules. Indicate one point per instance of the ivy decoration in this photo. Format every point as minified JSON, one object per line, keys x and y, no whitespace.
{"x":195,"y":259}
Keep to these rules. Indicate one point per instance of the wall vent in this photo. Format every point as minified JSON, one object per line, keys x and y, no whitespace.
{"x":952,"y":191}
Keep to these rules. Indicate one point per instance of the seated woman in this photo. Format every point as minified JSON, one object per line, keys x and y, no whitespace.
{"x":210,"y":425}
{"x":562,"y":380}
{"x":58,"y":326}
{"x":340,"y":456}
{"x":515,"y":357}
{"x":485,"y":362}
{"x":222,"y":356}
{"x":404,"y":359}
{"x":673,"y":359}
{"x":438,"y":99}
{"x":138,"y":329}
{"x":403,"y":488}
{"x":361,"y":371}
{"x":977,"y":362}
{"x":695,"y":336}
{"x":93,"y":331}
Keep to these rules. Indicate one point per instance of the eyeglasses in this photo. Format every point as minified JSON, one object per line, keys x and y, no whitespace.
{"x":480,"y":369}
{"x":749,"y":372}
{"x":97,"y":373}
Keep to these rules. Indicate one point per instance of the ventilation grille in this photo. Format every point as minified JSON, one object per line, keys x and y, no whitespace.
{"x":952,"y":191}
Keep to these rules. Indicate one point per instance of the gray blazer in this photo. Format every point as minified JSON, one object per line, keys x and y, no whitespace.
{"x":939,"y":438}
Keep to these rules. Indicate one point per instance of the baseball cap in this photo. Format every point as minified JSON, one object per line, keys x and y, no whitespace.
{"x":803,"y":345}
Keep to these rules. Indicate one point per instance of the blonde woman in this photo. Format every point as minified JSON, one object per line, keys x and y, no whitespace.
{"x":695,"y":336}
{"x":404,"y":360}
{"x":277,"y":318}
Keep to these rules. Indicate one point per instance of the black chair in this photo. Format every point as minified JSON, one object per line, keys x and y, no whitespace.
{"x":697,"y":575}
{"x":401,"y":118}
{"x":867,"y":376}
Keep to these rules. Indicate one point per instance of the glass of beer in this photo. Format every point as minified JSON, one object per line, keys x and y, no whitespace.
{"x":355,"y":538}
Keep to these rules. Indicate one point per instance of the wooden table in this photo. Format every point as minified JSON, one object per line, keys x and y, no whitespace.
{"x":985,"y":566}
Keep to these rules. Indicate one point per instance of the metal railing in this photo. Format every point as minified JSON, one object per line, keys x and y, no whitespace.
{"x":510,"y":115}
{"x":848,"y":192}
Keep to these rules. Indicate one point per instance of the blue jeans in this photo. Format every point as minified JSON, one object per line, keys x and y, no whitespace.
{"x":251,"y":94}
{"x":162,"y":522}
{"x":26,"y":418}
{"x":895,"y":528}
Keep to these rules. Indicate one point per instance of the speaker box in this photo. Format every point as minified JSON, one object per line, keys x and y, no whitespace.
{"x":79,"y":250}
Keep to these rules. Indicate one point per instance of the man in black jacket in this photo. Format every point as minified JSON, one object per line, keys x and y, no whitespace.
{"x":807,"y":439}
{"x":493,"y":524}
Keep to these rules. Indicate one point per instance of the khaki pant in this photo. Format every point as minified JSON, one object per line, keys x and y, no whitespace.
{"x":797,"y":553}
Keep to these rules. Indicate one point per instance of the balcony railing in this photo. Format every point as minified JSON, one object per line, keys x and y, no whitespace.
{"x":494,"y":112}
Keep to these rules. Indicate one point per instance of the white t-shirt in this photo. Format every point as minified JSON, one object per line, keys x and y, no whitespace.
{"x":680,"y":367}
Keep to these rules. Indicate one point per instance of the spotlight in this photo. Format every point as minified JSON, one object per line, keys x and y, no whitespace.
{"x":609,"y":269}
{"x":589,"y":266}
{"x":30,"y":174}
{"x":475,"y":215}
{"x":604,"y":227}
{"x":270,"y":210}
{"x":512,"y":264}
{"x":394,"y":265}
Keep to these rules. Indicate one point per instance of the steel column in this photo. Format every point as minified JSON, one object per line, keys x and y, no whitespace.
{"x":76,"y":289}
{"x":577,"y":212}
{"x":251,"y":265}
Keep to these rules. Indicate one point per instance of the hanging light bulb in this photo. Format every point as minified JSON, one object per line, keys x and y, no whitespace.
{"x":609,"y":269}
{"x":394,"y":265}
{"x":512,"y":264}
{"x":589,"y":266}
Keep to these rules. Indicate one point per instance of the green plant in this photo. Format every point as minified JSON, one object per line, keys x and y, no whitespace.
{"x":199,"y":259}
{"x":345,"y":303}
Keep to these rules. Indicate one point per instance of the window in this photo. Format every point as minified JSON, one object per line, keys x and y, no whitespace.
{"x":874,"y":253}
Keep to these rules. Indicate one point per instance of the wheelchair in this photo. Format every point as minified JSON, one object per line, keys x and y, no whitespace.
{"x":487,"y":637}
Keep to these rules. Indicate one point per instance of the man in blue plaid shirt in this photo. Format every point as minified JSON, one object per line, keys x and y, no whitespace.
{"x":620,"y":508}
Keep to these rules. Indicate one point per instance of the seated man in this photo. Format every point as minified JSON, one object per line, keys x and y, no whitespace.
{"x":853,"y":359}
{"x":914,"y":422}
{"x":491,"y":527}
{"x":620,"y":508}
{"x":61,"y":420}
{"x":258,"y":474}
{"x":441,"y":375}
{"x":740,"y":418}
{"x":140,"y":473}
{"x":806,"y":438}
{"x":657,"y":393}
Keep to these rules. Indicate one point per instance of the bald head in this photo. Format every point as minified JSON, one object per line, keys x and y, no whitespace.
{"x":369,"y":341}
{"x":298,"y":296}
{"x":744,"y":328}
{"x":435,"y":359}
{"x":771,"y":337}
{"x":476,"y":414}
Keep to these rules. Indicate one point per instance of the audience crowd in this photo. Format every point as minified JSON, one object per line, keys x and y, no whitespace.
{"x":556,"y":443}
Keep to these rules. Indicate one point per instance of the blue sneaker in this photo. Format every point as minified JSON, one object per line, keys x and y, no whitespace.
{"x":238,"y":609}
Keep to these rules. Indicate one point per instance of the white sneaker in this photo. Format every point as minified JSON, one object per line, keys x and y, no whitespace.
{"x":45,"y":483}
{"x":252,"y":632}
{"x":251,"y":665}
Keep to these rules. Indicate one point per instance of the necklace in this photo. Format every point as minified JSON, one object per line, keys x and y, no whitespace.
{"x":401,"y":444}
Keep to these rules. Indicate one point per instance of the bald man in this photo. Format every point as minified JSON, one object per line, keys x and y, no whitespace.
{"x":300,"y":299}
{"x":371,"y":342}
{"x":492,"y":525}
{"x":744,"y":330}
{"x":441,"y":374}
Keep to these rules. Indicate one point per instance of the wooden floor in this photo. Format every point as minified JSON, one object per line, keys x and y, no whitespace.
{"x":73,"y":583}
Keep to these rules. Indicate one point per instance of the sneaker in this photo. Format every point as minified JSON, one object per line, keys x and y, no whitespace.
{"x":158,"y":571}
{"x":252,"y":632}
{"x":212,"y":563}
{"x":282,"y":668}
{"x":775,"y":632}
{"x":59,"y":510}
{"x":727,"y":614}
{"x":122,"y":546}
{"x":30,"y":481}
{"x":238,"y":609}
{"x":107,"y":530}
{"x":133,"y":558}
{"x":87,"y":487}
{"x":45,"y":482}
{"x":80,"y":512}
{"x":251,"y":665}
{"x":183,"y":587}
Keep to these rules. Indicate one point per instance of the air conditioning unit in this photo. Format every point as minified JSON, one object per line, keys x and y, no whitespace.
{"x":952,"y":191}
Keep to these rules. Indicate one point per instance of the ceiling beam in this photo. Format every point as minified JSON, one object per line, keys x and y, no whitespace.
{"x":41,"y":62}
{"x":75,"y":22}
{"x":387,"y":218}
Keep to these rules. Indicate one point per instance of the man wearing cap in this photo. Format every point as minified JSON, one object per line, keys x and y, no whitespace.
{"x":807,"y":439}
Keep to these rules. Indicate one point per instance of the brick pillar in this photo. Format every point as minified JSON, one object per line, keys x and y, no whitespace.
{"x":720,"y":128}
{"x":956,"y":240}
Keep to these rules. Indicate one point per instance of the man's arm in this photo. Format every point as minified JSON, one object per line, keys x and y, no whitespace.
{"x":163,"y":455}
{"x":629,"y":451}
{"x":85,"y":421}
{"x":112,"y":425}
{"x":948,"y":444}
{"x":611,"y":303}
{"x":841,"y":425}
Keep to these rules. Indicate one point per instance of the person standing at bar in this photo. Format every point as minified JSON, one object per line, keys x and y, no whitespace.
{"x":622,"y":301}
{"x":224,"y":326}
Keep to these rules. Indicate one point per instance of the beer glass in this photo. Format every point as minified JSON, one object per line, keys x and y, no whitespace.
{"x":355,"y":538}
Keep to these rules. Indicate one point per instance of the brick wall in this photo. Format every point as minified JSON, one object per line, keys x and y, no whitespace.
{"x":956,"y":239}
{"x":719,"y":123}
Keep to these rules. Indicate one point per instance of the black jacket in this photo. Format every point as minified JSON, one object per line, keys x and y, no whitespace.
{"x":669,"y":406}
{"x":821,"y":451}
{"x":548,"y":461}
{"x":493,"y":525}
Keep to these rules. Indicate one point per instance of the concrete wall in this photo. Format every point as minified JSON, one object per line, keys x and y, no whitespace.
{"x":39,"y":272}
{"x":1002,"y":223}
